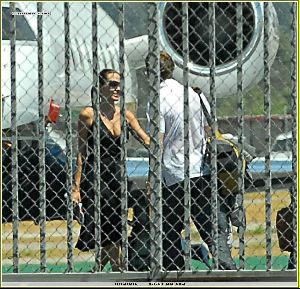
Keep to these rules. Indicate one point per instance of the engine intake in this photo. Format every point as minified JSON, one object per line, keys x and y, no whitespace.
{"x":226,"y":30}
{"x":226,"y":42}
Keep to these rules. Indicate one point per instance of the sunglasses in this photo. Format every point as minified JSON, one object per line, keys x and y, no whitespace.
{"x":113,"y":84}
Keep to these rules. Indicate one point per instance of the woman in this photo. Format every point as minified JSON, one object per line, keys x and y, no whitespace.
{"x":110,"y":154}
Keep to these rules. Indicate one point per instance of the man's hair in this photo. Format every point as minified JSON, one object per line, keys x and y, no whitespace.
{"x":166,"y":65}
{"x":103,"y":75}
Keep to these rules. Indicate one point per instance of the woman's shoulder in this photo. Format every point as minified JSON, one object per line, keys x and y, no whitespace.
{"x":88,"y":110}
{"x":87,"y":115}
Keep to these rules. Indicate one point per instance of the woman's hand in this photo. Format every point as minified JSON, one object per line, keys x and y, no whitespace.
{"x":77,"y":205}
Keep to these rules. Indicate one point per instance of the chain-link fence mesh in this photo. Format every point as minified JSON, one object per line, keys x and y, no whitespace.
{"x":154,"y":221}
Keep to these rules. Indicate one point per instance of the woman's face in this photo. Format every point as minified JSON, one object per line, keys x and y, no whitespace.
{"x":111,"y":89}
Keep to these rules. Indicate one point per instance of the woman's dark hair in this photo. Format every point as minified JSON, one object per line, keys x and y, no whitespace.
{"x":103,"y":75}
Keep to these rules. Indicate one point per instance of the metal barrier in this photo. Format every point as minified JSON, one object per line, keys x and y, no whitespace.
{"x":226,"y":219}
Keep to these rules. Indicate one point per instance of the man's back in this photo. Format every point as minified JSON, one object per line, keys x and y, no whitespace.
{"x":172,"y":125}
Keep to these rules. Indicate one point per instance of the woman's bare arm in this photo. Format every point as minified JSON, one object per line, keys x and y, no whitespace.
{"x":132,"y":120}
{"x":84,"y":124}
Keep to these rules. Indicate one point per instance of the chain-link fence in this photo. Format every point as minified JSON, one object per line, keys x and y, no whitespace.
{"x":196,"y":200}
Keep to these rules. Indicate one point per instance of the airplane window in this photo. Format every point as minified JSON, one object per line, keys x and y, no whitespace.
{"x":283,"y":145}
{"x":23,"y":30}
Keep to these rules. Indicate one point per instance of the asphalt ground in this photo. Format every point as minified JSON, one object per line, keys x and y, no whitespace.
{"x":56,"y":241}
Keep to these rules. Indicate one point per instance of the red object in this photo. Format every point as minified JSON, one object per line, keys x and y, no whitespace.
{"x":53,"y":114}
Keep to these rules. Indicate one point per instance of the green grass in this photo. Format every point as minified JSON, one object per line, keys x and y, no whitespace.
{"x":258,"y":230}
{"x":251,"y":263}
{"x":80,"y":267}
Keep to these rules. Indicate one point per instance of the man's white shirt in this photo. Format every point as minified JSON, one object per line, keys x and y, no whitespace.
{"x":172,"y":126}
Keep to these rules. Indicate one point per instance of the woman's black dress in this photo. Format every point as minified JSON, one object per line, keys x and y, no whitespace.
{"x":110,"y":210}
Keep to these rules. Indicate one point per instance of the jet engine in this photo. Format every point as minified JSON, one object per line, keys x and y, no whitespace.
{"x":225,"y":41}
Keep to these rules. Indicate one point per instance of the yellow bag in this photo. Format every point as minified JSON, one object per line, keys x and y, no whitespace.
{"x":227,"y":165}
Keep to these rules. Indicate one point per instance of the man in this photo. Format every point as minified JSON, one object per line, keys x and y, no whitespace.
{"x":172,"y":130}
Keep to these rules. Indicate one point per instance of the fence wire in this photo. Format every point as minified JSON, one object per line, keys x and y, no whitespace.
{"x":221,"y":213}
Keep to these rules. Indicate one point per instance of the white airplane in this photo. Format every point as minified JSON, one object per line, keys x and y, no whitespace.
{"x":136,"y":49}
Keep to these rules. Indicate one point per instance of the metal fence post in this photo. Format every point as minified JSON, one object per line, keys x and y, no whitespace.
{"x":42,"y":168}
{"x":214,"y":183}
{"x":187,"y":188}
{"x":155,"y":152}
{"x":241,"y":180}
{"x":124,"y":188}
{"x":69,"y":167}
{"x":14,"y":140}
{"x":267,"y":112}
{"x":294,"y":132}
{"x":96,"y":134}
